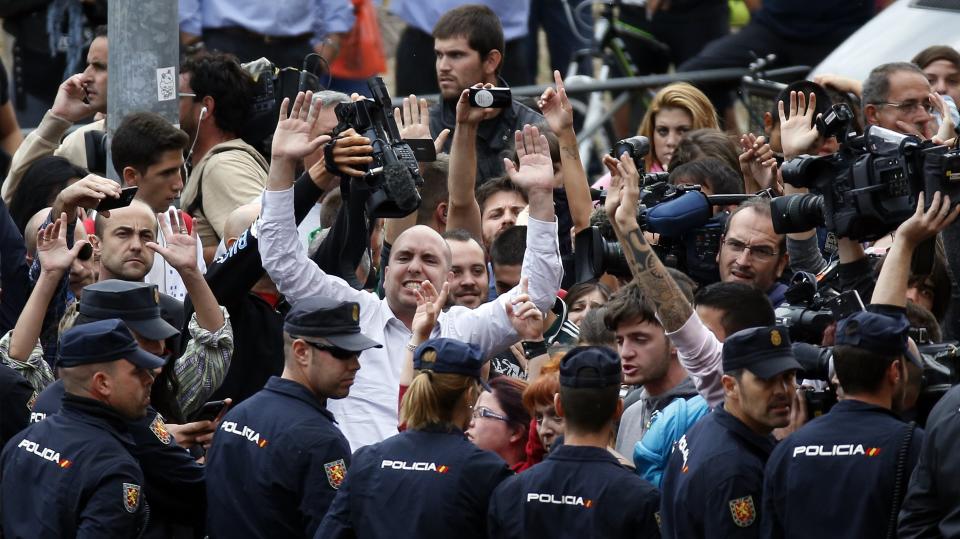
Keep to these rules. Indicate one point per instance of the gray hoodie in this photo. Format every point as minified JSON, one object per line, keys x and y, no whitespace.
{"x":636,"y":419}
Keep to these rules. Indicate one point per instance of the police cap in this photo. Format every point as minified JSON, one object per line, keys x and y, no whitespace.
{"x":137,"y":304}
{"x":103,"y":341}
{"x":590,"y":366}
{"x":337,"y":322}
{"x":880,"y":333}
{"x":764,"y":351}
{"x":450,"y":356}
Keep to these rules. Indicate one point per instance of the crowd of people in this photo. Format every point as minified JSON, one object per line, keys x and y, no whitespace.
{"x":233,"y":344}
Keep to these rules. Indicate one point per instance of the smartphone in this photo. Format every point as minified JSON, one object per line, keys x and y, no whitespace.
{"x":209,"y":411}
{"x":126,"y":197}
{"x":490,"y":98}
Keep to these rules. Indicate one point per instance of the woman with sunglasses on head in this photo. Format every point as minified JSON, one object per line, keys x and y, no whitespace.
{"x":500,"y":422}
{"x":428,"y":481}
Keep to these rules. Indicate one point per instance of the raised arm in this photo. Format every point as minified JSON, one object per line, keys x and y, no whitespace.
{"x":462,"y":209}
{"x":558,"y":112}
{"x":892,"y":282}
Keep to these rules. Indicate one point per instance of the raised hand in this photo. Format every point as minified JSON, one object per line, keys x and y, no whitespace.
{"x":924,"y":224}
{"x":757,"y":163}
{"x":429,"y":306}
{"x":52,"y":249}
{"x":181,"y":249}
{"x":414,"y":122}
{"x":469,"y":115}
{"x":624,"y":192}
{"x":69,"y":103}
{"x":86,"y":193}
{"x":946,"y":128}
{"x":798,"y":134}
{"x":556,"y":107}
{"x":524,"y":315}
{"x":293,"y":138}
{"x":536,"y":166}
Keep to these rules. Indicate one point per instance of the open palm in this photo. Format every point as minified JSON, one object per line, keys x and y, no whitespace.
{"x":292,"y":138}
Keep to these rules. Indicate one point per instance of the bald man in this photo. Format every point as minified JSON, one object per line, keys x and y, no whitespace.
{"x":418,"y":256}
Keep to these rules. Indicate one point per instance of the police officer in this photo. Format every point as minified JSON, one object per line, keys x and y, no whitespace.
{"x":713,"y":481}
{"x":428,"y":481}
{"x":580,"y":490}
{"x":847,"y":471}
{"x":72,"y":474}
{"x":173,"y":481}
{"x":278,"y":458}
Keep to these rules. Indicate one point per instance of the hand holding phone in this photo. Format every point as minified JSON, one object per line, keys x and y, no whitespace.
{"x":126,"y":197}
{"x":210,"y":411}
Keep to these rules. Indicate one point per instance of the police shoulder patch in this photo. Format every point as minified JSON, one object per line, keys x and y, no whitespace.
{"x":159,"y":429}
{"x":336,"y":472}
{"x":743,"y":511}
{"x":131,"y":497}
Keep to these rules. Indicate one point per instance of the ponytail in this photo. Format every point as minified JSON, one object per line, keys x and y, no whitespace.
{"x":432,"y":398}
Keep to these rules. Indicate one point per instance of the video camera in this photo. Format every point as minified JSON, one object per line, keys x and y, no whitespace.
{"x":681,"y":214}
{"x":394,"y":175}
{"x":868,"y":187}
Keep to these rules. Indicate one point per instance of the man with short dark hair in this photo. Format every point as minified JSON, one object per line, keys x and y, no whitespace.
{"x":501,"y":203}
{"x":294,"y":456}
{"x":215,"y":98}
{"x":580,"y":489}
{"x":468,"y":267}
{"x":712,"y":484}
{"x":897,"y":96}
{"x":726,"y":308}
{"x":649,"y":361}
{"x":468,"y":42}
{"x":72,"y":474}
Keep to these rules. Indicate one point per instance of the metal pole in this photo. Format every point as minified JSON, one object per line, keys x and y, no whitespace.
{"x":144,"y":62}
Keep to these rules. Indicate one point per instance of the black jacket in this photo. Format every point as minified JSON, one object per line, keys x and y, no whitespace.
{"x":494,"y":136}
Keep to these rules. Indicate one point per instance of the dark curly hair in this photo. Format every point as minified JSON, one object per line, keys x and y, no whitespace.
{"x":221,"y":77}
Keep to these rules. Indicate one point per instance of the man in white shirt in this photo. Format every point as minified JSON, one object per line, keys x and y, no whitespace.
{"x":369,"y":414}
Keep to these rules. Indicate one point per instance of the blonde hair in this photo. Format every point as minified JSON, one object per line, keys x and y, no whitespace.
{"x":432,"y":398}
{"x":680,"y":95}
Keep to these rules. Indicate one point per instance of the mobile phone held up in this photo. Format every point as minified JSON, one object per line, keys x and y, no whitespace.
{"x":126,"y":197}
{"x":490,"y":98}
{"x":209,"y":411}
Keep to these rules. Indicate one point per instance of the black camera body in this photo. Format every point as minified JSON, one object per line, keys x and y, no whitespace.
{"x":394,"y":174}
{"x":869,"y":186}
{"x":490,"y":98}
{"x":636,"y":147}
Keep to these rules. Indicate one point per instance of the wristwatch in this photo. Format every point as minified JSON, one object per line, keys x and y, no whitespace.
{"x":532,"y":349}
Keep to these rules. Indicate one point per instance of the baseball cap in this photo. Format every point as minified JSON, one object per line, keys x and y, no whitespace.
{"x":137,"y":304}
{"x":337,"y":322}
{"x":590,"y":366}
{"x":764,"y":351}
{"x":880,"y":333}
{"x":450,"y":356}
{"x":103,"y":341}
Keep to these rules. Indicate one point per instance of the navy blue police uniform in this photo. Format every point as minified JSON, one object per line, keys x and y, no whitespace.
{"x":577,"y":491}
{"x":278,"y":458}
{"x":838,"y":472}
{"x":713,"y":482}
{"x":73,"y":474}
{"x":429,"y":482}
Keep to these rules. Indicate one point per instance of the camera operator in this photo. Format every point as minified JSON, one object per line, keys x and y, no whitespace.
{"x":858,"y":448}
{"x":750,"y":253}
{"x":419,"y":254}
{"x":469,"y":46}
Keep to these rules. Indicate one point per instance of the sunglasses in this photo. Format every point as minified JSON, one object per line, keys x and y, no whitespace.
{"x":334,"y":351}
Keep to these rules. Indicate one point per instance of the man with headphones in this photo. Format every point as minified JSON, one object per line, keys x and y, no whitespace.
{"x":215,"y":96}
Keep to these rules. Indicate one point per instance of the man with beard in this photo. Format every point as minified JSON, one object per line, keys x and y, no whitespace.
{"x":859,"y":449}
{"x":468,"y":268}
{"x":714,"y":479}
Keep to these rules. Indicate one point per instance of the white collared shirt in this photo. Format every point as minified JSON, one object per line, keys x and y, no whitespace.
{"x":369,"y":414}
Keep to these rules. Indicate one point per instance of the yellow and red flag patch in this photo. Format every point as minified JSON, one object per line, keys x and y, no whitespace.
{"x":159,"y":429}
{"x":743,"y":511}
{"x":336,"y":472}
{"x":131,"y":497}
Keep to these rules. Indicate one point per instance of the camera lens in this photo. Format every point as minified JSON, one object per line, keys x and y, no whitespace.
{"x":796,"y":213}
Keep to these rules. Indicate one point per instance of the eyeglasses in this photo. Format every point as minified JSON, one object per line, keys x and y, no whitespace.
{"x":185,"y":94}
{"x":760,"y":252}
{"x":907,"y":107}
{"x":334,"y":351}
{"x":483,"y":411}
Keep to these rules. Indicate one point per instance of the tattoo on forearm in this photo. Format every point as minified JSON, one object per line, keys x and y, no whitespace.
{"x":672,"y":308}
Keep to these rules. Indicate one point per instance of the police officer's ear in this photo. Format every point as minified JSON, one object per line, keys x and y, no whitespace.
{"x":730,"y":387}
{"x":300,"y":351}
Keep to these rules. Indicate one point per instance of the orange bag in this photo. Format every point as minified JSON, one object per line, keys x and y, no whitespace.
{"x":361,"y":49}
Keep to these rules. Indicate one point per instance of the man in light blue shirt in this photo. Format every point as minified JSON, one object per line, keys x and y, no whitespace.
{"x":415,"y":71}
{"x":283,"y":31}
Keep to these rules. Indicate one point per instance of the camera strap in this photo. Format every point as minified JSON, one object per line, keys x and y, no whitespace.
{"x":898,"y":480}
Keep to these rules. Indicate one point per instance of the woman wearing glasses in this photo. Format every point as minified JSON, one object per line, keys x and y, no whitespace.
{"x":428,"y":481}
{"x":500,"y":422}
